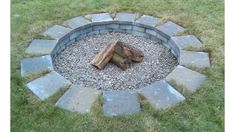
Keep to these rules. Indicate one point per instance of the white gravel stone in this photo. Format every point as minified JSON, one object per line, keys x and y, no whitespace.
{"x":74,"y":63}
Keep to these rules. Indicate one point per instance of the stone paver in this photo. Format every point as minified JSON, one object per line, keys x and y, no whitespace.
{"x":56,"y":31}
{"x":120,"y":102}
{"x":161,"y":95}
{"x":170,"y":28}
{"x":101,"y":17}
{"x":194,"y":59}
{"x":148,"y":20}
{"x":77,"y":22}
{"x":78,"y":99}
{"x":129,"y":17}
{"x":190,"y":80}
{"x":40,"y":47}
{"x":36,"y":65}
{"x":186,"y":41}
{"x":47,"y":85}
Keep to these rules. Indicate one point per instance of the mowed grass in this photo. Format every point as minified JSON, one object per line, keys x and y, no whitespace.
{"x":202,"y":111}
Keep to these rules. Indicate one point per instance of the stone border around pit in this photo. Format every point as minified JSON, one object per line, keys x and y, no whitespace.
{"x":161,"y":94}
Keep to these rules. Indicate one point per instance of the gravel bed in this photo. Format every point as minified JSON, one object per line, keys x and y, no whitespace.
{"x":74,"y":63}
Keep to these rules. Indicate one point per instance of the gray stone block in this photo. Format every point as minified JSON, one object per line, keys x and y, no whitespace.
{"x":36,"y":65}
{"x":77,"y":22}
{"x":40,"y":47}
{"x":161,"y":95}
{"x":129,"y":17}
{"x":120,"y":102}
{"x":101,"y":17}
{"x":48,"y":85}
{"x":190,"y":80}
{"x":170,"y":28}
{"x":186,"y":41}
{"x":79,"y":99}
{"x":128,"y":27}
{"x":139,"y":29}
{"x":148,"y":20}
{"x":194,"y":59}
{"x":56,"y":31}
{"x":151,"y":32}
{"x":112,"y":26}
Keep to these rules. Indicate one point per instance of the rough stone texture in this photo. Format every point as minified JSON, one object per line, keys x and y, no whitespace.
{"x":148,"y":20}
{"x":161,"y":95}
{"x":40,"y":47}
{"x":190,"y":80}
{"x":74,"y":63}
{"x":56,"y":31}
{"x":186,"y":41}
{"x":77,"y":22}
{"x":170,"y":28}
{"x":129,"y":17}
{"x":78,"y":99}
{"x":47,"y":85}
{"x":36,"y":65}
{"x":194,"y":59}
{"x":100,"y":17}
{"x":120,"y":102}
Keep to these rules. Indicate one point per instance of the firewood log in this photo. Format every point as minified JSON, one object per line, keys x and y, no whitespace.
{"x":104,"y":56}
{"x":120,"y":61}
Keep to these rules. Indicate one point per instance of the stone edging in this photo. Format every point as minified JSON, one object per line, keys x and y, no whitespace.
{"x":160,"y":94}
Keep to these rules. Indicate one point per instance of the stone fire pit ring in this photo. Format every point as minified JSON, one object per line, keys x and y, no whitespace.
{"x":160,"y":94}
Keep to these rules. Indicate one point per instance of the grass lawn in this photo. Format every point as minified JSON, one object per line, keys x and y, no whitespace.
{"x":202,"y":111}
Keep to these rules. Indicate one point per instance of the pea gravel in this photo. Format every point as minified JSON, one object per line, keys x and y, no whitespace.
{"x":74,"y":63}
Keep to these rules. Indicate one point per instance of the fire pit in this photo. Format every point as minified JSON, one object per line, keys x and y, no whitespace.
{"x":117,"y":58}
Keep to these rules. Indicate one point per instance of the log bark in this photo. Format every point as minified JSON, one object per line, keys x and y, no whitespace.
{"x":126,"y":50}
{"x":120,"y":61}
{"x":104,"y":56}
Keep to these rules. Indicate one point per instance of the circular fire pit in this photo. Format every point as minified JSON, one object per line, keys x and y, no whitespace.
{"x":161,"y":77}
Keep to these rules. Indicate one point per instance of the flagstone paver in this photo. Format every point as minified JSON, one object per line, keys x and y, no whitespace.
{"x":161,"y":95}
{"x":194,"y":59}
{"x":77,"y":22}
{"x":78,"y":99}
{"x":36,"y":65}
{"x":101,"y":17}
{"x":57,"y":31}
{"x":170,"y":28}
{"x":48,"y":85}
{"x":148,"y":20}
{"x":189,"y":79}
{"x":130,"y":17}
{"x":186,"y":41}
{"x":120,"y":102}
{"x":40,"y":47}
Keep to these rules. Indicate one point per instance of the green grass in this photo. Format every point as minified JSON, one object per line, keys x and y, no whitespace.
{"x":202,"y":111}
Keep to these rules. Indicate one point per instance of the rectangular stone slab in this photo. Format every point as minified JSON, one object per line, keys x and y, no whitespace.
{"x":48,"y":85}
{"x":77,"y":22}
{"x":120,"y":102}
{"x":129,"y":17}
{"x":57,"y":31}
{"x":36,"y":65}
{"x":186,"y":41}
{"x":194,"y":59}
{"x":41,"y":47}
{"x":170,"y":28}
{"x":161,"y":95}
{"x":148,"y":20}
{"x":79,"y":99}
{"x":101,"y":17}
{"x":189,"y":79}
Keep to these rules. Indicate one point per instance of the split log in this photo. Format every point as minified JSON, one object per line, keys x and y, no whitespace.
{"x":120,"y":61}
{"x":128,"y":51}
{"x":104,"y":56}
